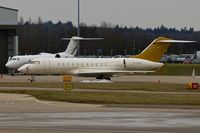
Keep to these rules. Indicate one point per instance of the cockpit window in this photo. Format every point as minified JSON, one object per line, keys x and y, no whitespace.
{"x":15,"y":59}
{"x":35,"y":62}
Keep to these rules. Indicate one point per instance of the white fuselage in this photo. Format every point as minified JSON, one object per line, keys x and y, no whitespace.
{"x":88,"y":66}
{"x":17,"y":61}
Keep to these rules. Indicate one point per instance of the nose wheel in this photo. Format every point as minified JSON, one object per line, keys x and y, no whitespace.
{"x":32,"y":79}
{"x":13,"y":73}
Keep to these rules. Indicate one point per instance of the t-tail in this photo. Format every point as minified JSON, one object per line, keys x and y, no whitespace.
{"x":72,"y":48}
{"x":158,"y":48}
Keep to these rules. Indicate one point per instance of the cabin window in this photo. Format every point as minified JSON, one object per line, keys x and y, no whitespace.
{"x":87,"y":64}
{"x":15,"y":58}
{"x":92,"y":64}
{"x":101,"y":64}
{"x":77,"y":64}
{"x":68,"y":64}
{"x":72,"y":64}
{"x":58,"y":64}
{"x":82,"y":64}
{"x":63,"y":64}
{"x":96,"y":64}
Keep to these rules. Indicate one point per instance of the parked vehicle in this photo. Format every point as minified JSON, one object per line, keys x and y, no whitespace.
{"x":188,"y":61}
{"x":196,"y":61}
{"x":182,"y":58}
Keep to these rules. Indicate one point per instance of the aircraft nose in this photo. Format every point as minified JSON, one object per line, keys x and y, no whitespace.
{"x":9,"y":65}
{"x":24,"y":69}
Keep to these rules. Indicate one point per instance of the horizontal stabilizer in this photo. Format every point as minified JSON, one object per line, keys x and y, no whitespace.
{"x":176,"y":41}
{"x":84,"y":39}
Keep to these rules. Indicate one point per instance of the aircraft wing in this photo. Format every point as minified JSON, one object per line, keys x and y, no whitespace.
{"x":108,"y":72}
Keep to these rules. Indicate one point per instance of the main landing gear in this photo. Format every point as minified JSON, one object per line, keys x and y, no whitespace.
{"x":102,"y":77}
{"x":99,"y":79}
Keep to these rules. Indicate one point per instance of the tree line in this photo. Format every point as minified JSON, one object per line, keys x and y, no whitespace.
{"x":36,"y":37}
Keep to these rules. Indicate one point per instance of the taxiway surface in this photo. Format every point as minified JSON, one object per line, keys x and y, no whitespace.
{"x":132,"y":78}
{"x":23,"y":113}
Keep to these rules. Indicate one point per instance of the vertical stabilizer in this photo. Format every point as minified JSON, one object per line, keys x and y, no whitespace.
{"x":157,"y":49}
{"x":72,"y":48}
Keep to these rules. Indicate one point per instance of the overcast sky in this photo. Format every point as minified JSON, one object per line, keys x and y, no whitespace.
{"x":143,"y":13}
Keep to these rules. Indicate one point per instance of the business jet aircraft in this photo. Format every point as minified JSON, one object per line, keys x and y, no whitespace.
{"x":17,"y":61}
{"x":104,"y":68}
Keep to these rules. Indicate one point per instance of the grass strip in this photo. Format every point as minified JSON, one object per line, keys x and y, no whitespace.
{"x":113,"y":97}
{"x":143,"y":86}
{"x":178,"y":69}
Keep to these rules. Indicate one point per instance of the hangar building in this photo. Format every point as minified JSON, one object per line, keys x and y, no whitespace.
{"x":8,"y":35}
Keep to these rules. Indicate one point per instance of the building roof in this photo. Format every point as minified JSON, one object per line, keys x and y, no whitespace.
{"x":9,"y":8}
{"x":8,"y":27}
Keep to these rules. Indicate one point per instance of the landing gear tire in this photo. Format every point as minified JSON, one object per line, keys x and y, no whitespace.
{"x":13,"y":73}
{"x":32,"y":80}
{"x":108,"y":78}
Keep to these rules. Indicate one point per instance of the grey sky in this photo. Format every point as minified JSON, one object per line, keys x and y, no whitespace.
{"x":143,"y":13}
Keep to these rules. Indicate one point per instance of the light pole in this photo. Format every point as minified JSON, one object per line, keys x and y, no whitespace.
{"x":134,"y":53}
{"x":85,"y":52}
{"x":111,"y":52}
{"x":78,"y":18}
{"x":78,"y":34}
